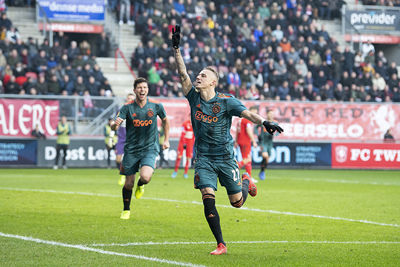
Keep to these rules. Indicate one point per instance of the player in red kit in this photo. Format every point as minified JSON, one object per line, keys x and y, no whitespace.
{"x":245,"y":139}
{"x":186,"y":142}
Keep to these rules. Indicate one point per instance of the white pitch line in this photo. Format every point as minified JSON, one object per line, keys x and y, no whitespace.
{"x":200,"y":203}
{"x":246,"y":242}
{"x":85,"y":248}
{"x":340,"y":181}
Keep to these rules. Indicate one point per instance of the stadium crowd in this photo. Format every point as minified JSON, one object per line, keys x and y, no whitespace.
{"x":262,"y":49}
{"x":66,"y":68}
{"x":381,"y":2}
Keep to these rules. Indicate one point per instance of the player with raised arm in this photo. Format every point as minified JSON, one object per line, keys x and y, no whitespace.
{"x":186,"y":142}
{"x":211,"y":115}
{"x":141,"y":146}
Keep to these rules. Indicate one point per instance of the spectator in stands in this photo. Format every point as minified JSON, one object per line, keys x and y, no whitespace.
{"x":13,"y":58}
{"x":388,"y":137}
{"x":378,"y":81}
{"x":5,"y":22}
{"x":73,"y":51}
{"x":103,"y":45}
{"x":12,"y":87}
{"x":36,"y":132}
{"x":79,"y":87}
{"x":54,"y":87}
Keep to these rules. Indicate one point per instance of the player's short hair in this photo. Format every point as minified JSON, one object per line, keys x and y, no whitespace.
{"x":213,"y":70}
{"x":139,"y":80}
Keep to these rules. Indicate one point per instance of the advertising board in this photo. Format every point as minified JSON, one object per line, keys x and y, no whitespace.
{"x":368,"y":156}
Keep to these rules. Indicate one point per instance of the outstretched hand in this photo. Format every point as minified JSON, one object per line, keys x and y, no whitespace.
{"x":176,"y":36}
{"x":272,"y":127}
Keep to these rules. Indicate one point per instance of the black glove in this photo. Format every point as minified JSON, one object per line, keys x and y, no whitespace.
{"x":176,"y":36}
{"x":271,"y":127}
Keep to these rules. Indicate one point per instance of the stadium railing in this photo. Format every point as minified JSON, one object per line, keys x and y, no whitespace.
{"x":120,"y":53}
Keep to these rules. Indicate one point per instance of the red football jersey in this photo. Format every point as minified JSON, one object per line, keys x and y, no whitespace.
{"x":187,"y":130}
{"x":243,"y":138}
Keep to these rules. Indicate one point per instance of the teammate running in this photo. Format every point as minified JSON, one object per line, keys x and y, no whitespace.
{"x":141,"y":147}
{"x":211,"y":115}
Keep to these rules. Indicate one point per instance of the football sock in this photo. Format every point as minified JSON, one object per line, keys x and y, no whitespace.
{"x":263,"y":164}
{"x":212,"y":217}
{"x":178,"y":160}
{"x":140,"y":183}
{"x":126,"y":197}
{"x":245,"y":189}
{"x":238,"y":203}
{"x":248,"y":168}
{"x":187,"y":166}
{"x":118,"y":165}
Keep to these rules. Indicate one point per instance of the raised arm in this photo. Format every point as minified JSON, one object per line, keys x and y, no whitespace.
{"x":185,"y":79}
{"x":270,"y":126}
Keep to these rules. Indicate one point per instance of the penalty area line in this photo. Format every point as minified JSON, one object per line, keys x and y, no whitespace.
{"x":245,"y":242}
{"x":200,"y":203}
{"x":106,"y":252}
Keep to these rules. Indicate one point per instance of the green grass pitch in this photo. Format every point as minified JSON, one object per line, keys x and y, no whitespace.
{"x":299,"y":218}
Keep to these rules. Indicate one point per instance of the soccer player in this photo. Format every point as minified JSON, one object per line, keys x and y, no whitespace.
{"x":141,"y":146}
{"x":119,"y":147}
{"x":63,"y":133}
{"x":211,"y":115}
{"x":186,"y":142}
{"x":245,"y":138}
{"x":110,"y":140}
{"x":266,"y":145}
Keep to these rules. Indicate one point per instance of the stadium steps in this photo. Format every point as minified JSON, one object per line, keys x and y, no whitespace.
{"x":334,"y":28}
{"x":127,"y":40}
{"x":24,"y":19}
{"x":121,"y":80}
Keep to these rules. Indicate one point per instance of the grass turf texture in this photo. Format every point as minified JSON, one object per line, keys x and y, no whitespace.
{"x":59,"y":213}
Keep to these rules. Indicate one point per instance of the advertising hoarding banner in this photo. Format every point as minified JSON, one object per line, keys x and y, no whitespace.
{"x":19,"y":116}
{"x":373,"y":20}
{"x":369,"y":156}
{"x":73,"y":27}
{"x":312,"y":121}
{"x":88,"y":153}
{"x":294,"y":155}
{"x":73,"y":10}
{"x":18,"y":152}
{"x":92,"y":153}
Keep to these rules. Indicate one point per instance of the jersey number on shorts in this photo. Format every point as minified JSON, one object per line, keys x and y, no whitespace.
{"x":235,"y":173}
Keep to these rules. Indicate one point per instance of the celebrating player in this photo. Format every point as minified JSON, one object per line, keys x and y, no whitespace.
{"x":245,"y":138}
{"x":211,"y":115}
{"x":119,"y":147}
{"x":185,"y":143}
{"x":141,"y":146}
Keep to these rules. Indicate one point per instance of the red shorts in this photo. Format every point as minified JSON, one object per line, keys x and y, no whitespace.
{"x":185,"y":144}
{"x":245,"y":150}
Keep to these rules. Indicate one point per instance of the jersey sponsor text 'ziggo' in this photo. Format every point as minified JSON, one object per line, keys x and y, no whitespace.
{"x":200,"y":116}
{"x":141,"y":123}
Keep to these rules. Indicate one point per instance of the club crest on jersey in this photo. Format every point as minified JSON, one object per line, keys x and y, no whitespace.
{"x":216,"y":108}
{"x":150,"y":113}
